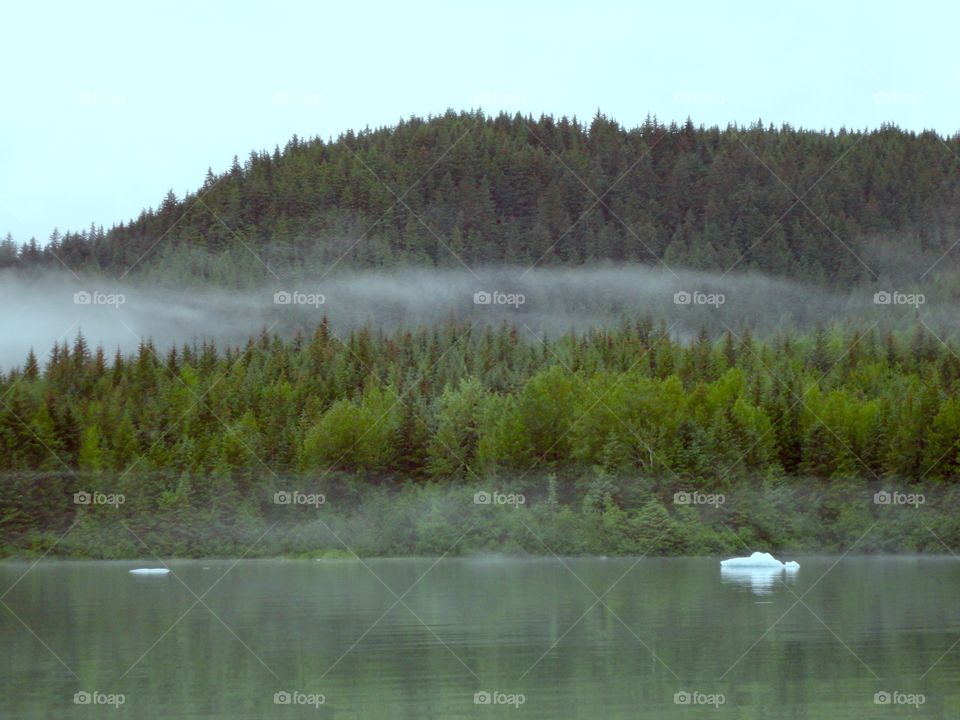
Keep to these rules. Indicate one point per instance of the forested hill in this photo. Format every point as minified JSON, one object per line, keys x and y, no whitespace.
{"x":518,"y":190}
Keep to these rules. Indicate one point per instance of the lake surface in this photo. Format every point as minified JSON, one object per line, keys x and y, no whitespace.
{"x":673,"y":638}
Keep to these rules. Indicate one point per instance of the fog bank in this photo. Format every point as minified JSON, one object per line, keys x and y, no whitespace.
{"x":38,"y":311}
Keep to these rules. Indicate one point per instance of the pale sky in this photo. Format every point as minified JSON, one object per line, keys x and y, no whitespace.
{"x":106,"y":106}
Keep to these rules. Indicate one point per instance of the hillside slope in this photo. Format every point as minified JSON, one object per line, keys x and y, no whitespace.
{"x":468,"y":189}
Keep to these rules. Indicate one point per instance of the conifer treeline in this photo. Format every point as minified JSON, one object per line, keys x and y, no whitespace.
{"x":519,"y":190}
{"x":453,"y":402}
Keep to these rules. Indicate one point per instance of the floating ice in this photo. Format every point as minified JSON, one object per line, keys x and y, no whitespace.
{"x":149,"y":571}
{"x":760,"y":572}
{"x":759,"y":560}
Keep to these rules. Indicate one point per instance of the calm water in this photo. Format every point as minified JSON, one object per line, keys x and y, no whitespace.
{"x":530,"y":630}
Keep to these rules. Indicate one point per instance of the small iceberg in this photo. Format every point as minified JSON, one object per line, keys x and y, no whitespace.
{"x":760,"y":572}
{"x":759,"y":560}
{"x":149,"y":571}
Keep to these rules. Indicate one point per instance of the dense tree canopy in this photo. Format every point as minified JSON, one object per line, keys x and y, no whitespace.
{"x":454,"y":402}
{"x":467,"y":188}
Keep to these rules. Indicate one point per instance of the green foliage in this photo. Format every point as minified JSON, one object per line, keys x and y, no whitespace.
{"x":354,"y":435}
{"x":488,"y":403}
{"x":508,"y":189}
{"x":453,"y":448}
{"x":597,"y":514}
{"x":444,"y":409}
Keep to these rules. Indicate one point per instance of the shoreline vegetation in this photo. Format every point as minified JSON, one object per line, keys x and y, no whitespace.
{"x":587,"y":516}
{"x":619,"y":442}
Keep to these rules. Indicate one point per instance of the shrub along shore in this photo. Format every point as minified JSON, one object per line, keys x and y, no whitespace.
{"x":347,"y":516}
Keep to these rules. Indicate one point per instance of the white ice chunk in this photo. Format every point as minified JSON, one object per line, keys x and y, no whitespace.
{"x":761,"y":572}
{"x":149,"y":571}
{"x":759,"y":560}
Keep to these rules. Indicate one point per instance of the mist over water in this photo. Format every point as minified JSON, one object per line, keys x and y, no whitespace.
{"x":41,"y":310}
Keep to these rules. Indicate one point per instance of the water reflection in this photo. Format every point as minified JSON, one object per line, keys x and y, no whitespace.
{"x":761,"y":581}
{"x":522,"y":625}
